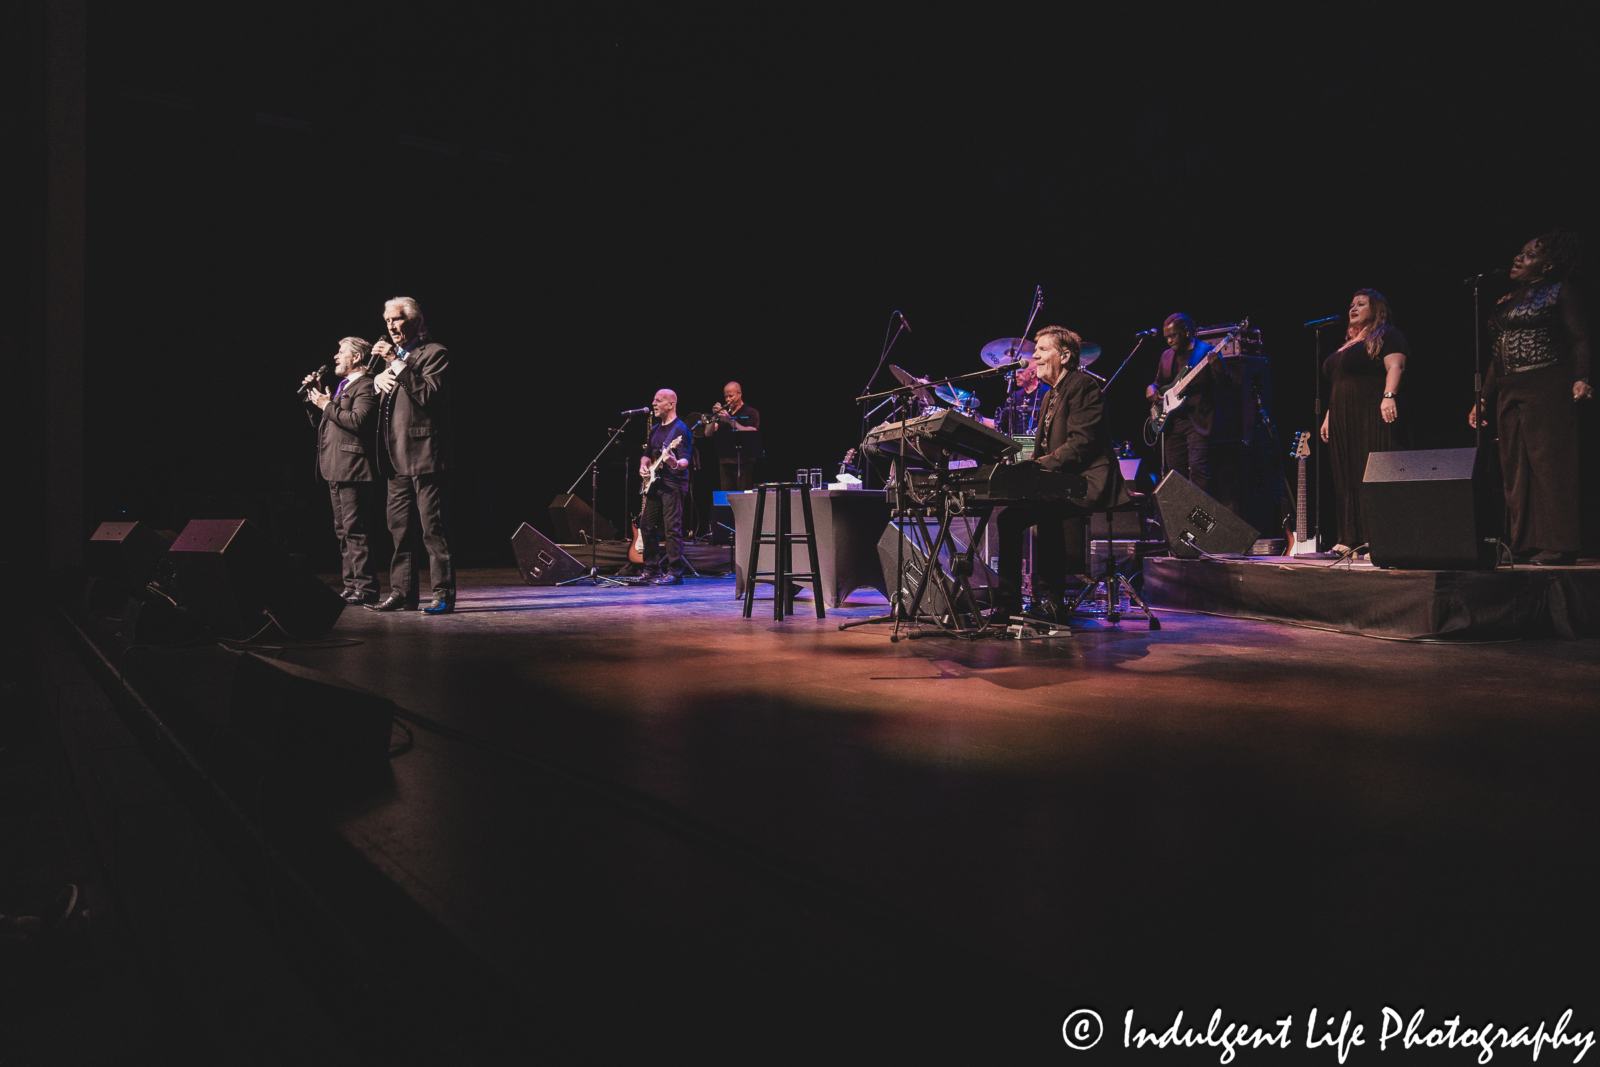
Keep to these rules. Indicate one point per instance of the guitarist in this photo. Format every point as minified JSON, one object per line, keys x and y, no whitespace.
{"x":663,"y":504}
{"x":1186,"y":437}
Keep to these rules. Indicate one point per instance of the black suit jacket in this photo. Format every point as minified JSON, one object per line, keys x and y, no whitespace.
{"x":345,"y":433}
{"x":1073,"y":437}
{"x":414,"y":418}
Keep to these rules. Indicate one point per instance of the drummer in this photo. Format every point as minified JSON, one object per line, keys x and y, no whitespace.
{"x":1019,"y":415}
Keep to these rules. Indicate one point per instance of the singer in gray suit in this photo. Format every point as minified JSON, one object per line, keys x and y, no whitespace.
{"x":414,"y":455}
{"x":345,"y":443}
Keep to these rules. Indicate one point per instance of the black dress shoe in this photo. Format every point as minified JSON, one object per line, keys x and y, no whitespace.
{"x":1000,"y":615}
{"x":392,"y":602}
{"x":668,"y":578}
{"x":442,"y":606}
{"x":350,"y":596}
{"x":1554,"y":559}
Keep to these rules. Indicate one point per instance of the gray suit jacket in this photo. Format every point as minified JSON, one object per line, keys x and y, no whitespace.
{"x":414,"y":419}
{"x":345,"y":438}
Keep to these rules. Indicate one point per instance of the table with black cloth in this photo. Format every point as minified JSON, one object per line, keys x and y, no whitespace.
{"x":849,"y":524}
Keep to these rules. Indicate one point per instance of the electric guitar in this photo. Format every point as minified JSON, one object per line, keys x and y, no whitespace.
{"x":1162,"y":407}
{"x":636,"y":545}
{"x":1299,"y":543}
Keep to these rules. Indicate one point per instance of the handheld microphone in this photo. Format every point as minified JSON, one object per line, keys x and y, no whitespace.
{"x":904,"y":323}
{"x":319,"y":374}
{"x":1153,"y":331}
{"x":1317,"y":324}
{"x":636,"y":411}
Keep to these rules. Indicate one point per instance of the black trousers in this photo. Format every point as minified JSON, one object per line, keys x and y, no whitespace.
{"x":1187,"y":450}
{"x":1538,"y":426}
{"x":352,"y":512}
{"x":736,"y":474}
{"x":417,"y":514}
{"x":663,"y":516}
{"x":1060,"y":547}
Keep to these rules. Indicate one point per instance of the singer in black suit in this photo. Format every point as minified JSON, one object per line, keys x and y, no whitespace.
{"x":346,"y":421}
{"x":414,"y":455}
{"x":1072,"y":437}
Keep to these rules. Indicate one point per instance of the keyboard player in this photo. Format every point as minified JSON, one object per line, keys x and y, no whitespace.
{"x":1072,"y":437}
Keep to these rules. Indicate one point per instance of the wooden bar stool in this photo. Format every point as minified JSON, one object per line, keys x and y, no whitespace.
{"x":782,"y":540}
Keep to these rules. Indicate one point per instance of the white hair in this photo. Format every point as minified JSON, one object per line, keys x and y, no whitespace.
{"x":413,"y":312}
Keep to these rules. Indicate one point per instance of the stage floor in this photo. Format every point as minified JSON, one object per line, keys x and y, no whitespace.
{"x":645,"y":799}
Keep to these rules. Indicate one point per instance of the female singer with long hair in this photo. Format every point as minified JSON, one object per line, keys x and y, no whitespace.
{"x":1364,"y":409}
{"x":1538,"y":373}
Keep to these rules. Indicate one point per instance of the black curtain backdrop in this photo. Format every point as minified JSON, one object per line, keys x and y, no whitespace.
{"x":591,"y":210}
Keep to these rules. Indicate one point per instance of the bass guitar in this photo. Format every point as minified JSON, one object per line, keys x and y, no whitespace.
{"x":1299,"y":544}
{"x":1162,"y":407}
{"x":636,"y":543}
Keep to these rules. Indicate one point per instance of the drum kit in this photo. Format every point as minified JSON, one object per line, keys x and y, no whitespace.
{"x":927,"y":397}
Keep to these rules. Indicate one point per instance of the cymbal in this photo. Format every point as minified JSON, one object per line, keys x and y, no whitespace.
{"x":951,"y":395}
{"x":907,"y":378}
{"x":1087,"y":353}
{"x":1006,"y":350}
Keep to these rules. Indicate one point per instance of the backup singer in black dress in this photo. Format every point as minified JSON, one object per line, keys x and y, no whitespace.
{"x":1364,"y":410}
{"x":1539,"y":371}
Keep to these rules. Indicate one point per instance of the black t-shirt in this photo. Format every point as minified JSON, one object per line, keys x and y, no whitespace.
{"x":660,"y":436}
{"x":730,"y":442}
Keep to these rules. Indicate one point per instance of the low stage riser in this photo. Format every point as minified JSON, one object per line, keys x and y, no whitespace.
{"x":1520,"y":602}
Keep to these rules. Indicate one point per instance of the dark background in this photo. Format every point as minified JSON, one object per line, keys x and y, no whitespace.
{"x":589,"y":210}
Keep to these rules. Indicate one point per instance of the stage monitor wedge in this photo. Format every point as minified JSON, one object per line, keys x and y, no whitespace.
{"x":1192,"y":520}
{"x":541,"y":561}
{"x":1419,"y":509}
{"x":125,"y":554}
{"x":237,"y":580}
{"x":915,"y":559}
{"x":576,"y":523}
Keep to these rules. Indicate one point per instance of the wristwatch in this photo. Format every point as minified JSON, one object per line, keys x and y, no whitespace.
{"x":1390,"y":396}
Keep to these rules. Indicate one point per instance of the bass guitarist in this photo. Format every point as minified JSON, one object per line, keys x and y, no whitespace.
{"x":670,"y":442}
{"x":1186,"y":436}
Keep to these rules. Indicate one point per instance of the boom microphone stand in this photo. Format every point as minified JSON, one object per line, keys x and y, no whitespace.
{"x":883,"y":357}
{"x":594,"y":577}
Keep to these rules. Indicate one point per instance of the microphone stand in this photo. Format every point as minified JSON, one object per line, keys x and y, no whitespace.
{"x":1142,"y":339}
{"x":594,"y":577}
{"x":883,"y":357}
{"x":1314,"y":520}
{"x":1477,"y":362}
{"x":987,"y":372}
